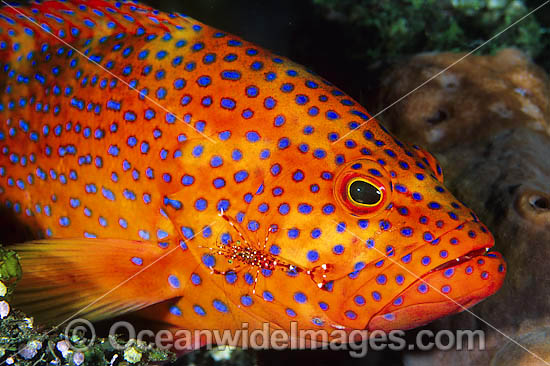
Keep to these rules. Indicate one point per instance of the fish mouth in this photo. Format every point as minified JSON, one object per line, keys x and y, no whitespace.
{"x":449,"y":287}
{"x":463,"y":258}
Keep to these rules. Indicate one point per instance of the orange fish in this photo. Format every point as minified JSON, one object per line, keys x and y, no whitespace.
{"x":172,"y":169}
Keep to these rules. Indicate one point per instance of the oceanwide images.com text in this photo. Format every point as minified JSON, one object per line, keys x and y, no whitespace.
{"x":357,"y":342}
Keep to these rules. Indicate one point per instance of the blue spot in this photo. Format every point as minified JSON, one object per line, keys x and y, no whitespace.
{"x":208,"y":260}
{"x":108,"y":194}
{"x":231,"y":75}
{"x":231,"y":277}
{"x":284,"y":209}
{"x":216,"y":161}
{"x":293,"y":233}
{"x":179,"y":84}
{"x":195,"y":279}
{"x":246,"y":300}
{"x":197,"y":150}
{"x":240,"y":176}
{"x":199,"y":310}
{"x":174,"y":310}
{"x":287,"y":87}
{"x":222,"y":205}
{"x":252,"y":91}
{"x":236,"y":155}
{"x":301,"y":99}
{"x":123,"y":223}
{"x":220,"y":306}
{"x":385,"y":225}
{"x":144,"y":234}
{"x":319,"y":153}
{"x":230,"y":57}
{"x":312,"y":255}
{"x":300,"y":297}
{"x":284,"y":142}
{"x":253,"y":225}
{"x":332,"y":115}
{"x":64,"y":221}
{"x":204,"y":81}
{"x":406,"y":231}
{"x":298,"y":176}
{"x":174,"y":281}
{"x":269,"y":103}
{"x":252,"y":136}
{"x":234,"y":43}
{"x":381,"y":279}
{"x":228,"y":103}
{"x":144,"y":147}
{"x":256,"y":65}
{"x":279,"y":120}
{"x":328,"y":209}
{"x":423,"y":288}
{"x":275,"y":249}
{"x":187,"y":232}
{"x":268,"y":296}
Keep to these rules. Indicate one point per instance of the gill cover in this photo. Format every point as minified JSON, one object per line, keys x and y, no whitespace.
{"x":431,"y":161}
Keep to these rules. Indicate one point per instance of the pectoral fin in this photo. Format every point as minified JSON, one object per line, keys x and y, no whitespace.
{"x":92,"y":278}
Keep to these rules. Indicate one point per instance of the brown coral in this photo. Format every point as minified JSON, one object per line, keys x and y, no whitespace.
{"x":475,"y":98}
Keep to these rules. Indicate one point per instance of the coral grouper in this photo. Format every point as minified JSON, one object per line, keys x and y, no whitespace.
{"x":173,"y":170}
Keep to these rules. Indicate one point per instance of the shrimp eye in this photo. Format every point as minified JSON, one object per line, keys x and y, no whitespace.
{"x":364,"y":193}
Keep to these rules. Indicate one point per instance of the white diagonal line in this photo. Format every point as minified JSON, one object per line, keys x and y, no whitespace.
{"x":107,"y":71}
{"x":442,"y":71}
{"x":449,"y":298}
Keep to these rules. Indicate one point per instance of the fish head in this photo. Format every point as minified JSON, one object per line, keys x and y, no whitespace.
{"x":360,"y":234}
{"x":370,"y":235}
{"x":414,"y":252}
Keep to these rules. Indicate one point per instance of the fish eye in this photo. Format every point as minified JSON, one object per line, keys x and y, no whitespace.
{"x":364,"y":193}
{"x":362,"y":187}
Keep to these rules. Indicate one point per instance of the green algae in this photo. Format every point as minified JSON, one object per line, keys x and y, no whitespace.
{"x":26,"y":344}
{"x":390,"y":29}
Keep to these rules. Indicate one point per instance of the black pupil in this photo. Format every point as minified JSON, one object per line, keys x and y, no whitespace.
{"x":364,"y":193}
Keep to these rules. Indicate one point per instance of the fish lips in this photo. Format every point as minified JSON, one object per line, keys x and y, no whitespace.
{"x":448,"y":287}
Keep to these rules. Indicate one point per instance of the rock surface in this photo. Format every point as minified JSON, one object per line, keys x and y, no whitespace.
{"x":472,"y":100}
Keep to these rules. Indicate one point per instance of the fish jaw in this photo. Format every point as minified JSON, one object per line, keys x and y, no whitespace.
{"x":450,"y":287}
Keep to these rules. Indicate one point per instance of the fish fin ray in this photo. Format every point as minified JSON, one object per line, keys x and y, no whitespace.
{"x":93,"y":278}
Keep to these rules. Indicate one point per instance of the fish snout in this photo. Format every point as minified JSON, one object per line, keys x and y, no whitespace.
{"x":460,"y":271}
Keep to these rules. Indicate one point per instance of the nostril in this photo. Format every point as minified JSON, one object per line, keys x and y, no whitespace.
{"x":437,"y":117}
{"x":538,"y":202}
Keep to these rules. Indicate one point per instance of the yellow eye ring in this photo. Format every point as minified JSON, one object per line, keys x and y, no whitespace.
{"x":364,"y":193}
